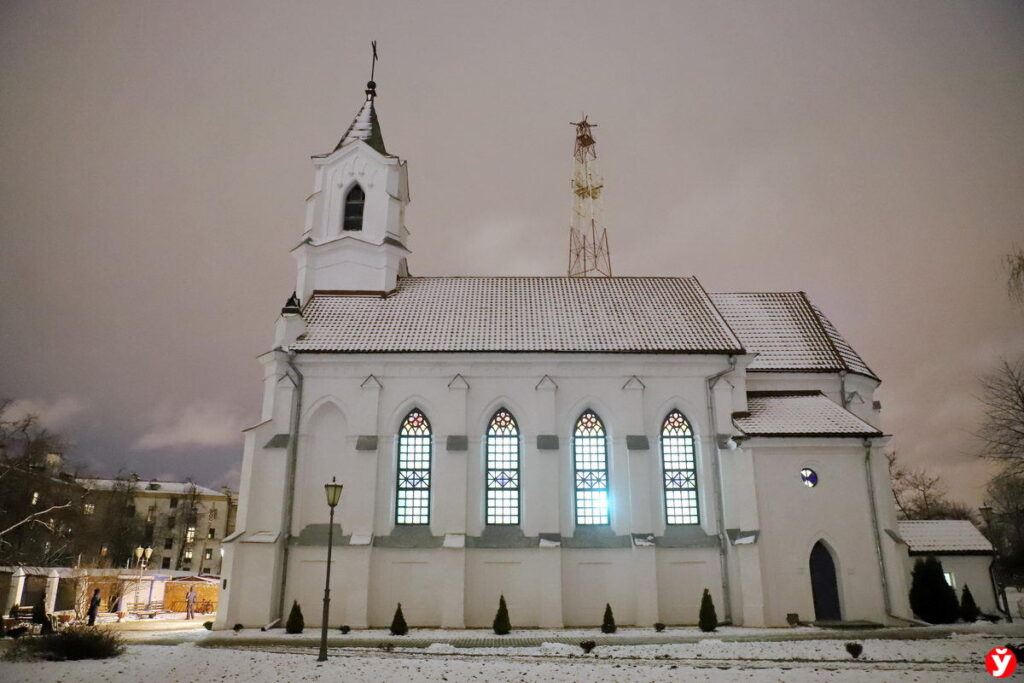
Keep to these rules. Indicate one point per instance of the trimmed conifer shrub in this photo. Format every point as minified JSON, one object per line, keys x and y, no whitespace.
{"x":295,"y":622}
{"x":659,"y":627}
{"x":398,"y":625}
{"x":587,"y":646}
{"x":502,"y":625}
{"x":708,"y":618}
{"x":608,"y":625}
{"x":39,"y":617}
{"x":931,"y":598}
{"x":968,"y":609}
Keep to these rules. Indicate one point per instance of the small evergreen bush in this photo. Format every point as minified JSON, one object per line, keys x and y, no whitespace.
{"x":708,"y":618}
{"x":587,"y":646}
{"x":931,"y":598}
{"x":236,"y":628}
{"x":398,"y":625}
{"x":295,"y":622}
{"x":344,"y":629}
{"x":40,"y":617}
{"x":855,"y":649}
{"x":659,"y":627}
{"x":968,"y":609}
{"x":502,"y":625}
{"x":208,"y":625}
{"x":608,"y":625}
{"x":73,"y":643}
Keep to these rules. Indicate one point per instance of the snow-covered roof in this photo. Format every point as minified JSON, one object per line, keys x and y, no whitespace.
{"x":788,"y":333}
{"x":364,"y":127}
{"x":799,"y":413}
{"x":944,"y":536}
{"x":559,"y":314}
{"x":153,"y":486}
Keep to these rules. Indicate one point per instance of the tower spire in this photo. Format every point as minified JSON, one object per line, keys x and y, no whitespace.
{"x":365,"y":126}
{"x":589,"y":255}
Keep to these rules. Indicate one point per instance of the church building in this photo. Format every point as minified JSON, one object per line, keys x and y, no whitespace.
{"x":567,"y":442}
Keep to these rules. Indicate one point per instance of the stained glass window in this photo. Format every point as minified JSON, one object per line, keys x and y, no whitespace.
{"x":354,"y":202}
{"x":809,"y":477}
{"x":590,"y":460}
{"x":679,"y":470}
{"x":412,"y":504}
{"x":502,"y":469}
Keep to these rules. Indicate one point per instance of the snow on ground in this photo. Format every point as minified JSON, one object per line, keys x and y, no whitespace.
{"x":944,"y":659}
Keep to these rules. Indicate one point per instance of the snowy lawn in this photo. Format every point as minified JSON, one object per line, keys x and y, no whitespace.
{"x":948,"y":658}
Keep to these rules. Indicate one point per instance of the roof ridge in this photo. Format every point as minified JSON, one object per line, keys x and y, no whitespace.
{"x":817,"y":315}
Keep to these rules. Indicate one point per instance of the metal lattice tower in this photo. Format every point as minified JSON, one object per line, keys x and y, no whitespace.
{"x":588,"y":239}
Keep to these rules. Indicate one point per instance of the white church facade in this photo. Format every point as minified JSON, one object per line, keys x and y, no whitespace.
{"x":564,"y":442}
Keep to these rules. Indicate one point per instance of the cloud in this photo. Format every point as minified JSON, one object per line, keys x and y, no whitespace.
{"x":52,"y":414}
{"x":201,"y":424}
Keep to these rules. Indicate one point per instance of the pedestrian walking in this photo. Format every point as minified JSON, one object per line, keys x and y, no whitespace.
{"x":94,"y":606}
{"x":190,"y":602}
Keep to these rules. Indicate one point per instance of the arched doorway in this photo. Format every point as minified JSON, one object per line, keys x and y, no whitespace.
{"x":824,"y":584}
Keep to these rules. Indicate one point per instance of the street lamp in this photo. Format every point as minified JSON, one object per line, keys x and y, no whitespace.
{"x":333,"y":492}
{"x":142,"y":556}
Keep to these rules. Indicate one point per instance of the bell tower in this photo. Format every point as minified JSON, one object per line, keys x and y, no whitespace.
{"x":354,"y":239}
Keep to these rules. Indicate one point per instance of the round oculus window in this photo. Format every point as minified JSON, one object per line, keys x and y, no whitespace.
{"x":809,"y":477}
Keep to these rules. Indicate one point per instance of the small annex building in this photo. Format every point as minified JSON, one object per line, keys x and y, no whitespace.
{"x":566,"y":442}
{"x":966,"y":555}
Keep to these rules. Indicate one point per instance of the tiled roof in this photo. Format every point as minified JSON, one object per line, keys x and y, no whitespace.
{"x":560,"y":314}
{"x":807,"y":413}
{"x":788,"y":333}
{"x":943,"y":536}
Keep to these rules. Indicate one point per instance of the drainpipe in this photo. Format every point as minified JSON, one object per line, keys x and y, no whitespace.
{"x":723,"y":538}
{"x":887,"y":601}
{"x":289,"y":492}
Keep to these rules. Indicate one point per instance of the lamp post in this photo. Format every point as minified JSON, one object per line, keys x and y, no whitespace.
{"x":333,"y":492}
{"x":142,"y":556}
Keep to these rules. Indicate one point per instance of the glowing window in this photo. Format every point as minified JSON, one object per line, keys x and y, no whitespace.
{"x":89,"y":508}
{"x":590,"y":462}
{"x":190,"y":534}
{"x":354,"y":202}
{"x":412,"y":504}
{"x":502,"y":469}
{"x":188,"y":555}
{"x":679,"y":470}
{"x":809,"y":477}
{"x":208,"y":554}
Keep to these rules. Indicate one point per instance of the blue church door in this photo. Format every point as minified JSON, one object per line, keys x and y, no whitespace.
{"x":824,"y":584}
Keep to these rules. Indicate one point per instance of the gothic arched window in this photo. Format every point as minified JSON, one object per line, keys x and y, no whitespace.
{"x":412,"y":504}
{"x":590,"y":463}
{"x":679,"y":470}
{"x":502,"y":479}
{"x":354,"y":202}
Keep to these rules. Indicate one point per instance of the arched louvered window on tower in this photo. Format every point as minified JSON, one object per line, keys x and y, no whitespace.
{"x":679,"y":470}
{"x":354,"y":202}
{"x":590,"y":465}
{"x":412,"y":502}
{"x":502,"y":480}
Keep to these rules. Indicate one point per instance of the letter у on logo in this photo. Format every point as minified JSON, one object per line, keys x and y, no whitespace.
{"x":1000,"y":662}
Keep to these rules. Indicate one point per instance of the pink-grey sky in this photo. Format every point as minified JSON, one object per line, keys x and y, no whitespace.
{"x":156,"y":157}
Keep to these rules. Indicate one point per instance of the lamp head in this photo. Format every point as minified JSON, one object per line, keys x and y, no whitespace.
{"x":138,"y":552}
{"x":333,"y":491}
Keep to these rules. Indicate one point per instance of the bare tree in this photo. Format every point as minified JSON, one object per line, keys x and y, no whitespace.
{"x":1002,"y":430}
{"x":1004,"y":523}
{"x":1015,"y":272}
{"x":920,"y":495}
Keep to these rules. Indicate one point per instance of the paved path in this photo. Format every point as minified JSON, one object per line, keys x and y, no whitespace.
{"x":523,"y":638}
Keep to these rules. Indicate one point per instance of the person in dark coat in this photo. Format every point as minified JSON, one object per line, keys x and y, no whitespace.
{"x":94,"y":607}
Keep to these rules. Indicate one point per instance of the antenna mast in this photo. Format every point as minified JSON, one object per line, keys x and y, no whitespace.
{"x":588,"y":239}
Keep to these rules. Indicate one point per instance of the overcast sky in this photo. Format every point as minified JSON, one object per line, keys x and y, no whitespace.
{"x":156,"y":157}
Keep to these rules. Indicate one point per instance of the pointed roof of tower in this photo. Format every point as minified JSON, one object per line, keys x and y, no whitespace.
{"x":365,"y":126}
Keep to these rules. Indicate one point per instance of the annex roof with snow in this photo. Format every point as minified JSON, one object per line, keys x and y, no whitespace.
{"x":788,"y":333}
{"x":799,"y":413}
{"x":944,"y":537}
